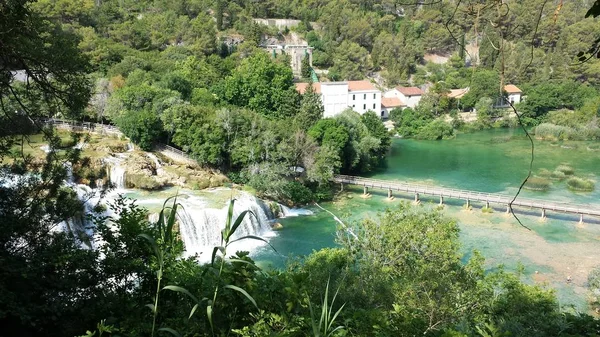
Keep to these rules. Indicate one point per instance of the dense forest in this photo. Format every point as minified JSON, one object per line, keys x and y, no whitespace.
{"x":192,"y":74}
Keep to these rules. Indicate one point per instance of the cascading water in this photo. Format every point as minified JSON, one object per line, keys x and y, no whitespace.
{"x":289,"y":212}
{"x":200,"y":227}
{"x":157,"y":164}
{"x":79,"y":226}
{"x":116,"y":172}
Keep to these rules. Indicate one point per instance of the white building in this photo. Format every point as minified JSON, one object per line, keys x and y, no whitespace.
{"x":361,"y":96}
{"x":390,"y":103}
{"x":513,"y":93}
{"x":408,"y":95}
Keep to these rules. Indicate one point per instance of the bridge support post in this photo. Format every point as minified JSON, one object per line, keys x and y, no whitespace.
{"x":543,"y":213}
{"x":390,"y":193}
{"x":441,"y":200}
{"x":468,"y":204}
{"x":342,"y":187}
{"x":507,"y":209}
{"x":487,"y":204}
{"x":416,"y":197}
{"x":365,"y":190}
{"x":580,"y":218}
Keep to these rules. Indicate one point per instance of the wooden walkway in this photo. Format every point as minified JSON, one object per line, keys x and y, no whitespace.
{"x":468,"y":196}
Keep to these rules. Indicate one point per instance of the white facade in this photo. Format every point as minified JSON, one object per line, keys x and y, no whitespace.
{"x":334,"y":96}
{"x":514,"y":98}
{"x":364,"y":100}
{"x":410,"y":96}
{"x":360,"y":96}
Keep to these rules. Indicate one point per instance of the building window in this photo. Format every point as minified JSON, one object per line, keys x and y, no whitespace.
{"x":354,"y":97}
{"x":382,"y":113}
{"x":364,"y":107}
{"x":365,"y":96}
{"x":354,"y":105}
{"x":374,"y":96}
{"x":373,"y":106}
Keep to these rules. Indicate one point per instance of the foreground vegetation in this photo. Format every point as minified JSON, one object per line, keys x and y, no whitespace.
{"x":399,"y":274}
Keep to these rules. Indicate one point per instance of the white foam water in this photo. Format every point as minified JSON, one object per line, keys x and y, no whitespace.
{"x":293,"y":212}
{"x":200,"y":227}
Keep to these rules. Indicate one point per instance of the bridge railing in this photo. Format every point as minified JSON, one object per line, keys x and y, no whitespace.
{"x":465,"y":194}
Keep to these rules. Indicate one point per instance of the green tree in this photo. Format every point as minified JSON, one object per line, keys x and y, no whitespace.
{"x":306,"y":69}
{"x":262,"y":85}
{"x":485,"y":83}
{"x":143,"y":127}
{"x":311,"y":108}
{"x":350,"y":62}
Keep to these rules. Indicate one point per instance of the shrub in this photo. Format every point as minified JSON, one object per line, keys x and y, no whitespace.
{"x":558,"y":175}
{"x":579,"y":184}
{"x":436,"y":130}
{"x":554,"y":132}
{"x":566,"y":169}
{"x":142,"y":181}
{"x":297,"y":193}
{"x":537,"y":184}
{"x":544,"y":173}
{"x":593,"y":147}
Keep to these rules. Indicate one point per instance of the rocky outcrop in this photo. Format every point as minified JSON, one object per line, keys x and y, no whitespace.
{"x":152,"y":172}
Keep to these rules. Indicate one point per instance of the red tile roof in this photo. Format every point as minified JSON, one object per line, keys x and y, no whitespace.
{"x":360,"y":86}
{"x":410,"y":91}
{"x":391,"y":102}
{"x":458,"y":93}
{"x":301,"y":87}
{"x":512,"y":89}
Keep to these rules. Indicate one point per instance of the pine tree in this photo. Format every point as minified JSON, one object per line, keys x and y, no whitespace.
{"x":305,"y":69}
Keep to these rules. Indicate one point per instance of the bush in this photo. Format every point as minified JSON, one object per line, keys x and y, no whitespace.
{"x":142,"y":181}
{"x":558,"y":175}
{"x":436,"y":130}
{"x":554,"y":132}
{"x":297,"y":193}
{"x":566,"y":169}
{"x":537,"y":184}
{"x":593,"y":147}
{"x":544,"y":173}
{"x":579,"y":184}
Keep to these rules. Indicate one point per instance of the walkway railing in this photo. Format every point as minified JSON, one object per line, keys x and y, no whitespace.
{"x":468,"y":196}
{"x":95,"y":127}
{"x":88,"y":126}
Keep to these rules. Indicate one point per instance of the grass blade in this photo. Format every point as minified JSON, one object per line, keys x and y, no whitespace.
{"x":209,"y":312}
{"x":193,"y":310}
{"x":214,"y":253}
{"x":254,"y":237}
{"x":171,"y":331}
{"x":227,"y":229}
{"x":238,"y":222}
{"x":181,"y":290}
{"x":243,"y":292}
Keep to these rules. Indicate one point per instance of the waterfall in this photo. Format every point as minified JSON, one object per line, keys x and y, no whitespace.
{"x":159,"y":169}
{"x":116,"y":172}
{"x":200,"y":227}
{"x":289,"y":212}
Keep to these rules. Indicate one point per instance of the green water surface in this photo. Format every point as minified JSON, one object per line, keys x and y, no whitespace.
{"x":490,"y":161}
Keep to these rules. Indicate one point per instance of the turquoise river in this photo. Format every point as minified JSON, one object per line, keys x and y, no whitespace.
{"x":489,"y":161}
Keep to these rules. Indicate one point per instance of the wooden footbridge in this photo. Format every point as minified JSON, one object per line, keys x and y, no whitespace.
{"x":468,"y":196}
